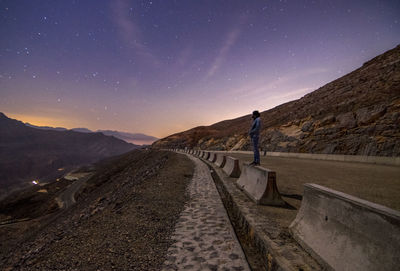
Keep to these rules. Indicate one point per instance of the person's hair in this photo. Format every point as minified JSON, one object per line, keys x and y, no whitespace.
{"x":256,"y":113}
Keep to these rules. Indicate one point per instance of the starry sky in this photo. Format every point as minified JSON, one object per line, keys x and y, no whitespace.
{"x":160,"y":67}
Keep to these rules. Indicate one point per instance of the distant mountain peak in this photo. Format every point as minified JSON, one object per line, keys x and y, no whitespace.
{"x":29,"y":153}
{"x":133,"y":138}
{"x":82,"y":130}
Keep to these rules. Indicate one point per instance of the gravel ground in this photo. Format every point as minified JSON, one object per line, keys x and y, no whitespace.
{"x":123,"y":219}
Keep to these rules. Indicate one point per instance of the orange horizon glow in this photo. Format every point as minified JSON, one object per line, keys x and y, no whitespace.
{"x":43,"y":121}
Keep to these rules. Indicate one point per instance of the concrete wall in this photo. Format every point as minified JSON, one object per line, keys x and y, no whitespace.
{"x":346,"y":233}
{"x":221,"y":159}
{"x":260,"y":185}
{"x":381,"y":160}
{"x":231,"y":167}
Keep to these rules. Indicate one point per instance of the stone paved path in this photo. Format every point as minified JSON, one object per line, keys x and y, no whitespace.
{"x":204,"y":237}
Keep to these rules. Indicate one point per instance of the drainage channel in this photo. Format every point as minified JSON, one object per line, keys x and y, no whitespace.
{"x":253,"y":255}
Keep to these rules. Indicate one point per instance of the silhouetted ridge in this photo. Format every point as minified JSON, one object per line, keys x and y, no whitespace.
{"x":28,"y":153}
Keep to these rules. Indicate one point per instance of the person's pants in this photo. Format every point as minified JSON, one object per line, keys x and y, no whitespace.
{"x":255,"y":139}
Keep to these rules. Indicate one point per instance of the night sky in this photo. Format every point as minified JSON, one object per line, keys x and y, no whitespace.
{"x":160,"y":67}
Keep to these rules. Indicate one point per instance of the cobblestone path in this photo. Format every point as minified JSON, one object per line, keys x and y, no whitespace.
{"x":204,"y":237}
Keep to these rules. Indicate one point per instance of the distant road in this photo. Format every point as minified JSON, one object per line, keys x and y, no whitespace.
{"x":68,"y":196}
{"x":376,"y":183}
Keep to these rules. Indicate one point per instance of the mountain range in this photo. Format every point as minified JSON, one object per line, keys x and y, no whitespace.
{"x":134,"y":138}
{"x":357,"y":114}
{"x":28,"y":154}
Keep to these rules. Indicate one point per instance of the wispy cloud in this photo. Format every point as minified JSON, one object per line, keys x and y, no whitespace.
{"x":130,"y":32}
{"x":280,"y":84}
{"x":230,"y":40}
{"x":292,"y":94}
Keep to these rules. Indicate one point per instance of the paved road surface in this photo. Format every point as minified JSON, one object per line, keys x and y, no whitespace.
{"x":376,"y":183}
{"x":68,"y":196}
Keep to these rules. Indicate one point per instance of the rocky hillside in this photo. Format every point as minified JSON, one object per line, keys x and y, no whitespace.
{"x":123,"y":219}
{"x":357,"y":114}
{"x":27,"y":153}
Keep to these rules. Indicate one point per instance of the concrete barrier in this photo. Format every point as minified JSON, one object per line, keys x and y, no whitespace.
{"x":213,"y":157}
{"x":231,"y":167}
{"x":260,"y":185}
{"x":347,"y":233}
{"x":206,"y":155}
{"x":220,"y":162}
{"x":380,"y":160}
{"x":203,"y":154}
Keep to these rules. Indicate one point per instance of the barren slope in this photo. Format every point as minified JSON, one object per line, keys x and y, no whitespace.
{"x":123,"y":219}
{"x":355,"y":114}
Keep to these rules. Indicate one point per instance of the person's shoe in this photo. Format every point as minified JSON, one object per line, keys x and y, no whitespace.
{"x":252,"y":164}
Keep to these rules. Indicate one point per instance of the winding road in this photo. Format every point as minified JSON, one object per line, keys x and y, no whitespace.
{"x":67,"y":198}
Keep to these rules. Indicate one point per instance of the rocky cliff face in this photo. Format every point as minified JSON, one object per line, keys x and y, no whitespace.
{"x":358,"y":114}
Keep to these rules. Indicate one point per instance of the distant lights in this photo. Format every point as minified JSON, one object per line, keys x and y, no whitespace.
{"x":35,"y":182}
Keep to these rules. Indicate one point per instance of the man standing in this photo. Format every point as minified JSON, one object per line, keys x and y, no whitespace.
{"x":255,"y":136}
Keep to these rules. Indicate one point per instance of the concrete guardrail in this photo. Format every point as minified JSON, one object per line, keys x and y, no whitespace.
{"x":213,"y":157}
{"x":380,"y":160}
{"x":347,"y":233}
{"x":206,"y":155}
{"x":231,"y":167}
{"x":260,"y":185}
{"x":220,"y":162}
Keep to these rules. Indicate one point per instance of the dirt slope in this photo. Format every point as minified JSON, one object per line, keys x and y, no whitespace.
{"x":122,"y":220}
